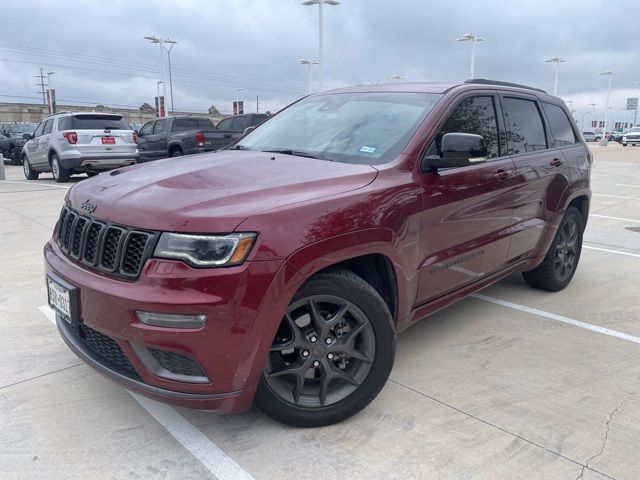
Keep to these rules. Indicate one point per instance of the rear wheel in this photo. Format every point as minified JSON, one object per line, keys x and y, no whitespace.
{"x":176,"y":153}
{"x":557,"y":269}
{"x":29,"y":173}
{"x":332,"y":354}
{"x":60,"y":174}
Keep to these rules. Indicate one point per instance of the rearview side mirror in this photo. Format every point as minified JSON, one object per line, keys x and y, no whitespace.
{"x":460,"y":150}
{"x":27,"y":136}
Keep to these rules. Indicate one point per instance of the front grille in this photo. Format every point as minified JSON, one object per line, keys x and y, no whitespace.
{"x":113,"y":249}
{"x":177,"y":363}
{"x":105,"y":347}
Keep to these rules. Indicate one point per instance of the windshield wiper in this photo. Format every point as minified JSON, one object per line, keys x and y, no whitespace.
{"x":299,"y":153}
{"x":240,"y":147}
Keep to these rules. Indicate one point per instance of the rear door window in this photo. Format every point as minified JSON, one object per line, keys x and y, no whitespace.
{"x":240,"y":123}
{"x":561,"y":129}
{"x":100,"y":122}
{"x":524,"y":127}
{"x":161,"y":126}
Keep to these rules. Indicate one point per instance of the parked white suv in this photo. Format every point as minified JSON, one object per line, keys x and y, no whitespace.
{"x":71,"y":143}
{"x":632,"y":137}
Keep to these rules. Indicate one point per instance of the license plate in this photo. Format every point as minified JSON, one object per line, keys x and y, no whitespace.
{"x":62,"y":298}
{"x":108,"y":141}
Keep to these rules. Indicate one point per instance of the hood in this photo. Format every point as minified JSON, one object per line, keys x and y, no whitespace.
{"x":212,"y":193}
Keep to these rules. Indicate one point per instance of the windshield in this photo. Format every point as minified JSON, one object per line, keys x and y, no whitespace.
{"x":365,"y":128}
{"x":23,"y":128}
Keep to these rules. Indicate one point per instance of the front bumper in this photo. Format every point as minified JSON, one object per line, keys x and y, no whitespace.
{"x":243,"y":305}
{"x":631,"y":141}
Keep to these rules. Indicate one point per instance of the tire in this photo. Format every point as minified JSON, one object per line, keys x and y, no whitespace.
{"x":350,"y":313}
{"x":60,"y":174}
{"x":176,"y":153}
{"x":624,"y":144}
{"x":597,"y":139}
{"x":29,"y":173}
{"x":14,"y":155}
{"x":561,"y":261}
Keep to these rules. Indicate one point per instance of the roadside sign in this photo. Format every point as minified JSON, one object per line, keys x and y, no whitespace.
{"x":632,"y":103}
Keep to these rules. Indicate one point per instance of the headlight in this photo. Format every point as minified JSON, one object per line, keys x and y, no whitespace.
{"x":206,"y":250}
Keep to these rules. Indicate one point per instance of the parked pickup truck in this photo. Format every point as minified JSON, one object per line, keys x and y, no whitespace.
{"x":232,"y":128}
{"x":174,"y":136}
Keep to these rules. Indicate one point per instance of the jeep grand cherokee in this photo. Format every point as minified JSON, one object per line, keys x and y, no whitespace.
{"x":281,"y":269}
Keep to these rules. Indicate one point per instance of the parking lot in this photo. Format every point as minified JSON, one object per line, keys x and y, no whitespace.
{"x":510,"y":383}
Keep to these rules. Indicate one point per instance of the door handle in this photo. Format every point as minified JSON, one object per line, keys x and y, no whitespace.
{"x":502,"y":175}
{"x":556,"y":162}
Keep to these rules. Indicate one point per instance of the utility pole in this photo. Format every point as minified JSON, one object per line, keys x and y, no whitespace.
{"x":257,"y":105}
{"x":41,"y":76}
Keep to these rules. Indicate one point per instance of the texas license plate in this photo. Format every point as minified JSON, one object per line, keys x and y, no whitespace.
{"x":62,"y":298}
{"x":108,"y":141}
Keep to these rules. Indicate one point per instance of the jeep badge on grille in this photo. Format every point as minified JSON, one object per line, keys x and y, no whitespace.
{"x":88,"y":207}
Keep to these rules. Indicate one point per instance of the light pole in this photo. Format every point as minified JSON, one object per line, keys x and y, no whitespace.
{"x":557,"y":61}
{"x":238,"y":100}
{"x":470,"y":37}
{"x":603,"y":140}
{"x":320,"y":4}
{"x":398,"y":77}
{"x":49,"y":99}
{"x":635,"y":115}
{"x":171,"y":43}
{"x":161,"y":42}
{"x":305,"y":61}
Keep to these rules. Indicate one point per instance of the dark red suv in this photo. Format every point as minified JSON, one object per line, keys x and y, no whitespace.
{"x":284,"y":267}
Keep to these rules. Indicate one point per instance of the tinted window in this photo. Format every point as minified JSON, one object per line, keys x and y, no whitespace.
{"x":183,"y":124}
{"x":205,"y":124}
{"x":475,"y":115}
{"x":146,"y":129}
{"x":65,"y":123}
{"x":47,"y":126}
{"x":21,"y":128}
{"x":525,"y":130}
{"x":225,"y":124}
{"x":240,"y":123}
{"x":100,"y":122}
{"x":560,"y":125}
{"x":38,"y":131}
{"x":258,"y":118}
{"x":161,"y":126}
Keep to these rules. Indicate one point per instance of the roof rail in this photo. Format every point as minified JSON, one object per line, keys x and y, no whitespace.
{"x":484,"y":81}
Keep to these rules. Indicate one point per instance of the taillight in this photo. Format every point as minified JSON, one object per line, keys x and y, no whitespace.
{"x":135,"y":138}
{"x":200,"y":139}
{"x":72,"y":137}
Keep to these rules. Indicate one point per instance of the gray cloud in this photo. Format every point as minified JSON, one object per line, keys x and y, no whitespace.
{"x":256,"y":44}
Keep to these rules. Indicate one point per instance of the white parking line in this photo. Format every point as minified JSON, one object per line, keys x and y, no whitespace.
{"x":614,"y":218}
{"x":611,"y":251}
{"x":559,"y":318}
{"x":613,"y":196}
{"x":192,"y":439}
{"x":36,"y":184}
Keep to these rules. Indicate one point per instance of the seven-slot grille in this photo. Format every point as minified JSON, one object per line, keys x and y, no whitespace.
{"x":113,"y":249}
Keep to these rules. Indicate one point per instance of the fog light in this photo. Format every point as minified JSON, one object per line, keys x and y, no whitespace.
{"x":172,"y":320}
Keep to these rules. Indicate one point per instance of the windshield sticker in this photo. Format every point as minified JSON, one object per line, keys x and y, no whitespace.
{"x":367,"y":149}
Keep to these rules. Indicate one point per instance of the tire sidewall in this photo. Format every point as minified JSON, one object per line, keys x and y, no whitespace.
{"x":571,"y":213}
{"x":378,"y":315}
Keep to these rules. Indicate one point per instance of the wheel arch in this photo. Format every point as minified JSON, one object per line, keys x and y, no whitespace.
{"x":175,"y":147}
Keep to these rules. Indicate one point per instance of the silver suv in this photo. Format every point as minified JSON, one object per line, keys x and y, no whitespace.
{"x":70,"y":143}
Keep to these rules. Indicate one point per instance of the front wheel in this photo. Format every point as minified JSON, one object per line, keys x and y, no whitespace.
{"x":331,"y":355}
{"x":60,"y":174}
{"x":557,"y":269}
{"x":14,"y":155}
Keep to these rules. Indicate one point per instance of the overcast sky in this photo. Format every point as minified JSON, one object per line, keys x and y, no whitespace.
{"x":99,"y":57}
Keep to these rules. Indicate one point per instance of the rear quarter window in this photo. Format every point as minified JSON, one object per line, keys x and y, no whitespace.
{"x":561,"y":129}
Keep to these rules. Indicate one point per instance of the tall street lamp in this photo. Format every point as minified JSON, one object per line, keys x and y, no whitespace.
{"x":320,"y":4}
{"x":470,"y":37}
{"x":305,"y":61}
{"x":161,"y":42}
{"x":557,"y":61}
{"x":603,"y":140}
{"x":171,"y":44}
